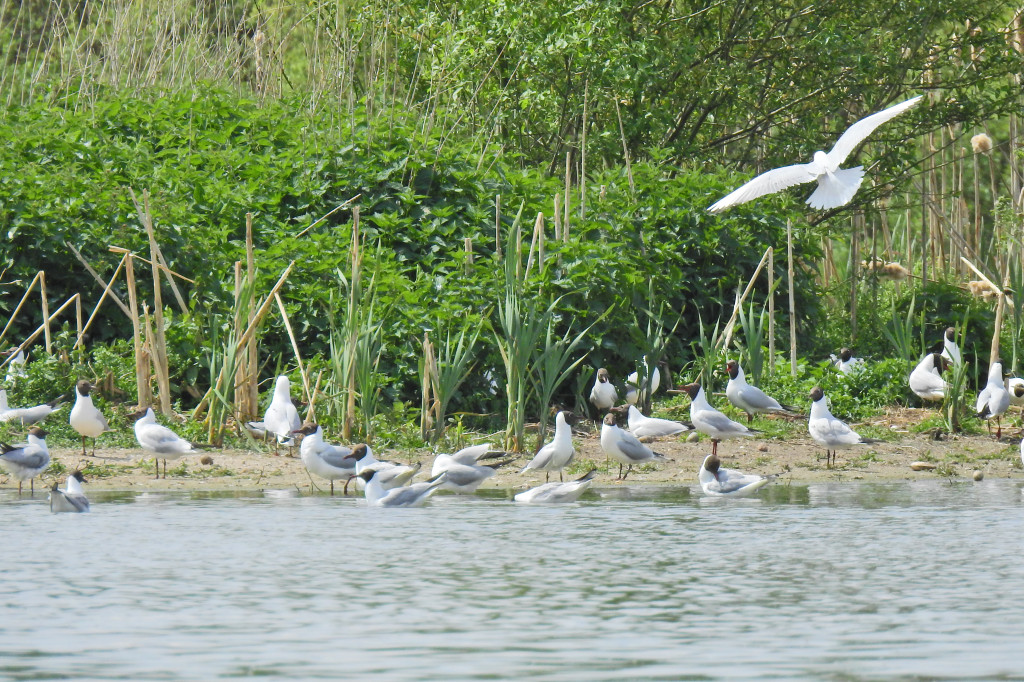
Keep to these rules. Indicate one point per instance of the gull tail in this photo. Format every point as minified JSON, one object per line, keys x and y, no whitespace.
{"x":984,"y":412}
{"x":498,"y":465}
{"x":868,"y":441}
{"x":587,"y":476}
{"x":836,"y":189}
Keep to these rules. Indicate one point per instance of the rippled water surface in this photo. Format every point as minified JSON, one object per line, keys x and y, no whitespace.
{"x":847,"y":581}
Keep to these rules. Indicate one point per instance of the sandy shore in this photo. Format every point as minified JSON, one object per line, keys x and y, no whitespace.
{"x":795,"y":456}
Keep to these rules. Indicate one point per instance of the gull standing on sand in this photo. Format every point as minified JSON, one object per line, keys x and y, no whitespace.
{"x":85,"y":417}
{"x":994,"y":399}
{"x":750,"y":399}
{"x":710,"y":421}
{"x":828,"y":431}
{"x":323,"y":459}
{"x":926,"y":380}
{"x":624,"y":448}
{"x":72,"y":499}
{"x":159,"y":440}
{"x":414,"y":495}
{"x":557,"y":493}
{"x":652,"y":427}
{"x":281,"y":418}
{"x":603,"y":395}
{"x":836,"y":186}
{"x":717,"y":481}
{"x":557,"y":454}
{"x":25,"y":462}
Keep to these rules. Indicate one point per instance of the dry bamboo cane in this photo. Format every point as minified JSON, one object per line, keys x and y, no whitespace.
{"x":141,"y":362}
{"x":251,"y":352}
{"x":241,"y":365}
{"x":39,"y":330}
{"x":159,"y":345}
{"x":583,"y":154}
{"x":497,"y":225}
{"x":468,"y":245}
{"x":792,"y":299}
{"x":21,"y":303}
{"x":46,"y":312}
{"x":568,"y":195}
{"x":771,"y":309}
{"x":350,"y":380}
{"x":993,"y":355}
{"x":536,"y":244}
{"x":95,"y":276}
{"x":106,"y":291}
{"x":731,"y":324}
{"x":425,"y":385}
{"x":295,"y":348}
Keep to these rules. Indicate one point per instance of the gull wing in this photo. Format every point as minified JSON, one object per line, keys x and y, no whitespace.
{"x":766,"y":183}
{"x":860,"y":130}
{"x":632,"y":448}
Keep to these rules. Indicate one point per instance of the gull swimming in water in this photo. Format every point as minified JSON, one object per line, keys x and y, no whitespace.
{"x":323,"y":459}
{"x":389,"y":474}
{"x":710,"y":421}
{"x":652,"y":427}
{"x":414,"y":495}
{"x":717,"y":481}
{"x":557,"y":493}
{"x":85,"y":418}
{"x":750,"y":399}
{"x":603,"y":395}
{"x":836,"y":186}
{"x":926,"y":380}
{"x":281,"y":418}
{"x":159,"y":440}
{"x":27,"y":461}
{"x":624,"y":448}
{"x":464,"y":478}
{"x":828,"y":431}
{"x":994,"y":399}
{"x":557,"y":454}
{"x":72,"y":499}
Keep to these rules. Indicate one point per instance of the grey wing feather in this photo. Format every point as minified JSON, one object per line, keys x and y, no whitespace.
{"x":758,"y":399}
{"x":767,"y":183}
{"x":32,"y":460}
{"x":336,"y":458}
{"x":720,"y":422}
{"x":633,"y":448}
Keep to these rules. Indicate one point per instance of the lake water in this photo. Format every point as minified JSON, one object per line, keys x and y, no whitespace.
{"x":831,"y":581}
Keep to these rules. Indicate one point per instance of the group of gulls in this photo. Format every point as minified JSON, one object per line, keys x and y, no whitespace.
{"x":389,"y":484}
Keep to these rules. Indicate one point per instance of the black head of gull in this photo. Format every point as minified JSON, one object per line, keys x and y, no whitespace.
{"x":733,"y":368}
{"x":845,"y":354}
{"x":609,"y":419}
{"x":84,"y":387}
{"x":817,"y":394}
{"x":692,"y":390}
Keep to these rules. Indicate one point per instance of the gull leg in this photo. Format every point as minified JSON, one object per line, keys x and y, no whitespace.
{"x":714,"y":446}
{"x":156,"y":463}
{"x":547,"y":476}
{"x":999,"y":428}
{"x":620,"y":473}
{"x":332,"y":487}
{"x":560,"y":479}
{"x":628,"y":469}
{"x":345,"y":491}
{"x":83,"y":446}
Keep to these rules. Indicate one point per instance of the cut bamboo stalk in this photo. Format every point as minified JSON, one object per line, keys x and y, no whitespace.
{"x":46,"y":312}
{"x":167,"y":271}
{"x":39,"y":330}
{"x":157,"y":259}
{"x":262,"y":310}
{"x":771,"y":309}
{"x":251,"y":354}
{"x":241,"y":365}
{"x":295,"y":348}
{"x":625,"y":148}
{"x":21,"y":303}
{"x":731,"y":324}
{"x":497,"y":225}
{"x":350,"y":382}
{"x":103,"y":296}
{"x":568,"y":195}
{"x":99,"y":280}
{"x":792,"y":299}
{"x":536,"y":244}
{"x":468,"y":245}
{"x":583,"y":154}
{"x":141,"y":361}
{"x":993,"y":355}
{"x":149,"y":355}
{"x":557,"y":216}
{"x":78,"y":316}
{"x":158,"y":347}
{"x":426,"y":384}
{"x":311,"y":412}
{"x":979,"y":273}
{"x":854,"y":263}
